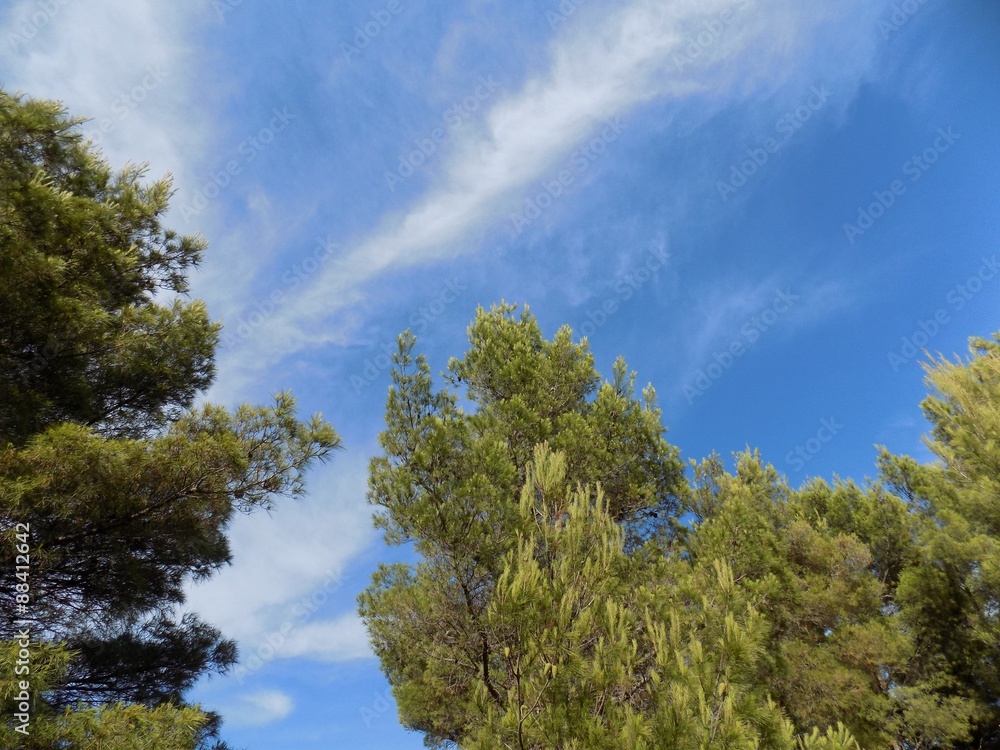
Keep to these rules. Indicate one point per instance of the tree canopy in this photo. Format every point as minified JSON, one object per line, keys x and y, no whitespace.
{"x":574,"y":587}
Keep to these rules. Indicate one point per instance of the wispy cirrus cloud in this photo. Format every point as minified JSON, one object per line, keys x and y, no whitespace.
{"x":600,"y":67}
{"x":731,"y":310}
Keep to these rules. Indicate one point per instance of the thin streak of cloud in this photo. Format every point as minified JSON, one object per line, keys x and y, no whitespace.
{"x":597,"y":72}
{"x":721,"y":315}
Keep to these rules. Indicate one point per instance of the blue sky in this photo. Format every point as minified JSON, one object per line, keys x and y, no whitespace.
{"x":766,"y":207}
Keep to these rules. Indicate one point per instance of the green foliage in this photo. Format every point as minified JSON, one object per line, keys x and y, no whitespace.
{"x":559,"y":601}
{"x":833,"y":739}
{"x":949,"y":597}
{"x":82,"y":255}
{"x":126,"y":727}
{"x":450,"y":481}
{"x":113,"y":727}
{"x":883,"y":602}
{"x":600,"y":649}
{"x":829,"y":646}
{"x":110,"y":727}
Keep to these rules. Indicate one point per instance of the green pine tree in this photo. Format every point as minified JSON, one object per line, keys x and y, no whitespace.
{"x":450,"y":480}
{"x":119,"y":490}
{"x":948,"y":595}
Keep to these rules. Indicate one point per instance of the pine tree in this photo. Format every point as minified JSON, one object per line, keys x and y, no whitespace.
{"x":118,"y":490}
{"x":949,"y":595}
{"x":450,"y":480}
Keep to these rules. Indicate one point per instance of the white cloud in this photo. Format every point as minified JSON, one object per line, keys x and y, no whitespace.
{"x":278,"y":560}
{"x":599,"y":70}
{"x":259,"y":708}
{"x":341,"y":639}
{"x":124,"y":63}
